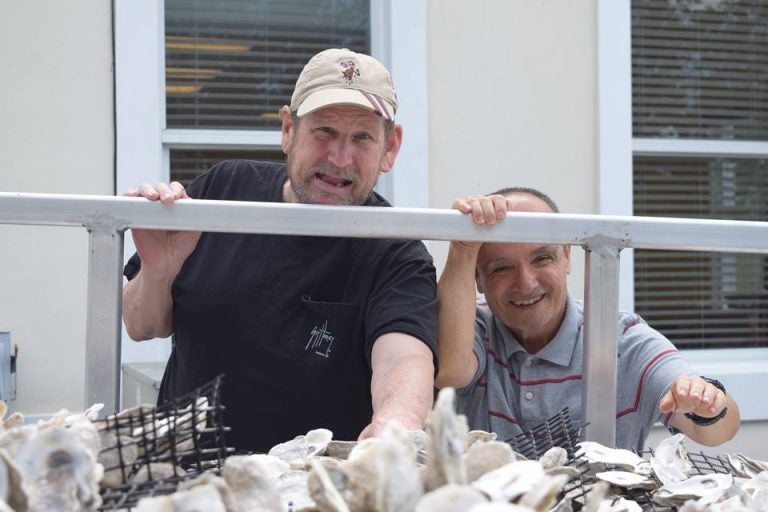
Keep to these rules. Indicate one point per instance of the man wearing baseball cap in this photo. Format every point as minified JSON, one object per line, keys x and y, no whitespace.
{"x":310,"y":332}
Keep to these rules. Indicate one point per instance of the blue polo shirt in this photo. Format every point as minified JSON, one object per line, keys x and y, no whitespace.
{"x":514,"y":391}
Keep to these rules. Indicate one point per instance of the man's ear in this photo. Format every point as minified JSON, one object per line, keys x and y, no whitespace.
{"x":478,"y":282}
{"x":287,"y":128}
{"x":567,"y":250}
{"x":394,"y":140}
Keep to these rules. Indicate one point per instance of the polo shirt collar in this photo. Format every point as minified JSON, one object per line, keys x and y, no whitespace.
{"x":560,"y":350}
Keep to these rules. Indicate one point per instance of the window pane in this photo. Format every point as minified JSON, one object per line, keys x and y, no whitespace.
{"x":231,"y":64}
{"x":703,"y":300}
{"x":700,"y":69}
{"x":186,"y":164}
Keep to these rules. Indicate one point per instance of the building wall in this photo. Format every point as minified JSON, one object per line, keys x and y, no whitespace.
{"x":512,"y":101}
{"x":56,"y":136}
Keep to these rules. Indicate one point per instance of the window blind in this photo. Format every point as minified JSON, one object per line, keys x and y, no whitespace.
{"x":231,"y":64}
{"x":703,"y":300}
{"x":700,"y":69}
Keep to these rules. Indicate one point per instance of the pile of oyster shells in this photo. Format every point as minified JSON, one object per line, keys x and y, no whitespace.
{"x":52,"y":465}
{"x":59,"y":465}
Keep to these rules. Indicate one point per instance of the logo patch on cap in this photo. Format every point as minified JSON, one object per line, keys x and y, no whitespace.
{"x":349,"y":70}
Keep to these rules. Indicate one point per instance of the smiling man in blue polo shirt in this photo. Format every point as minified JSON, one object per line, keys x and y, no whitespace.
{"x":516,"y":356}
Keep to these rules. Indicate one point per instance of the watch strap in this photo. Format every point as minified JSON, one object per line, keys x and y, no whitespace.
{"x":701,"y":420}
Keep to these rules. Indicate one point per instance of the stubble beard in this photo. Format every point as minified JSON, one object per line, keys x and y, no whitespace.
{"x":302,"y":187}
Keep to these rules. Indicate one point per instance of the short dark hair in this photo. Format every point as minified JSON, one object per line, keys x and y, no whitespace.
{"x":508,"y":191}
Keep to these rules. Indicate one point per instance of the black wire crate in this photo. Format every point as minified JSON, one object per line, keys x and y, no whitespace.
{"x":557,"y":431}
{"x":149,"y":451}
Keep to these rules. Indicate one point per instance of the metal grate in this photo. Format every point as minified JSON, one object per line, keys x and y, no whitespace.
{"x":559,"y":431}
{"x":556,"y":431}
{"x":148,"y":451}
{"x":701,"y":464}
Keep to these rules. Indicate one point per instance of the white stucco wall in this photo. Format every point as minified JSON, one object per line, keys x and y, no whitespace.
{"x":56,"y":136}
{"x":512,"y":92}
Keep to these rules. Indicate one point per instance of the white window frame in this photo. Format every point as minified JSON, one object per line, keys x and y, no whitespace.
{"x":744,"y":370}
{"x":143,"y":142}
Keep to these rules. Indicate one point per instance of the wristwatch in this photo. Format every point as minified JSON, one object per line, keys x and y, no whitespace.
{"x":701,"y":420}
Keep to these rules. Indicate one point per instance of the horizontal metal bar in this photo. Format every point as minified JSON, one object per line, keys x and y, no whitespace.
{"x":378,"y":222}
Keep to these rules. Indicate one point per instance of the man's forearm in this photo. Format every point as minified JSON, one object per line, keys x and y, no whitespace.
{"x":456,"y":317}
{"x":148,"y":306}
{"x":402,"y":383}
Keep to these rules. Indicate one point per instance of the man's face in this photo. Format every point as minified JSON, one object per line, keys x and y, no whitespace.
{"x":525,"y":285}
{"x":335,"y":155}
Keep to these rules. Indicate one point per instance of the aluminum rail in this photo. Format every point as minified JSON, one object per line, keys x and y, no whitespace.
{"x":379,"y":222}
{"x":603,"y":237}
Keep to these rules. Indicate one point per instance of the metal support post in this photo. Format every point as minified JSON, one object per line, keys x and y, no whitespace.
{"x":601,"y":306}
{"x":102,"y":343}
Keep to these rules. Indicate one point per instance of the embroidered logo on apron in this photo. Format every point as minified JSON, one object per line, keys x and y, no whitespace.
{"x":320,"y":341}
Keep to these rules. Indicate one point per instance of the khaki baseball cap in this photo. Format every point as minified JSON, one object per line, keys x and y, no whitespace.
{"x":343,"y":77}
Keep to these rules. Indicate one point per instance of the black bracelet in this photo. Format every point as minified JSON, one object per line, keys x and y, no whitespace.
{"x":701,"y":420}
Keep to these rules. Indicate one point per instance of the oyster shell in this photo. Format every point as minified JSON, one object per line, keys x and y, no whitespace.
{"x":481,"y":458}
{"x":500,"y":507}
{"x":154,"y":471}
{"x":118,"y":457}
{"x":298,"y":451}
{"x":382,"y":473}
{"x":708,"y":488}
{"x":447,"y":433}
{"x":555,"y":456}
{"x":511,"y":481}
{"x":626,"y":479}
{"x":619,"y":504}
{"x":252,"y":481}
{"x":670,"y":460}
{"x":596,"y":453}
{"x":478,"y":436}
{"x":14,"y":420}
{"x":58,"y":472}
{"x":201,"y":497}
{"x":450,"y":498}
{"x":339,"y":449}
{"x":744,"y":466}
{"x":322,"y":490}
{"x":294,"y":490}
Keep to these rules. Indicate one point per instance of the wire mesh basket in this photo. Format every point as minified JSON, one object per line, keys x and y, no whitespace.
{"x":556,"y":431}
{"x":148,"y":451}
{"x":559,"y":431}
{"x":701,"y":464}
